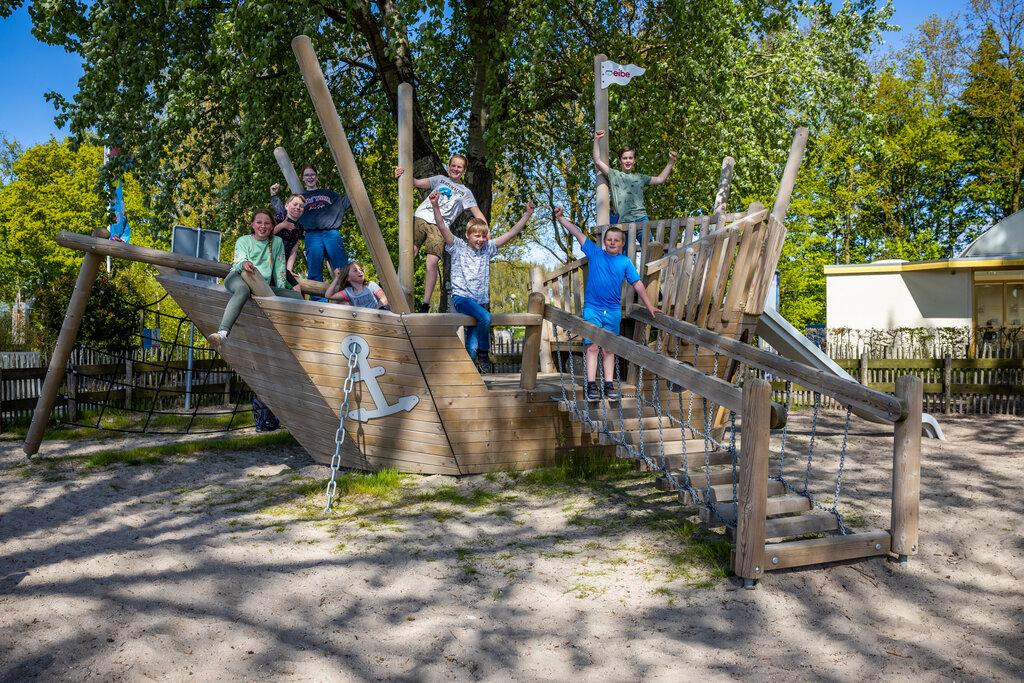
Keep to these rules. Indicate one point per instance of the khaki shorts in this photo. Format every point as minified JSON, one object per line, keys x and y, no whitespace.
{"x":427,"y":236}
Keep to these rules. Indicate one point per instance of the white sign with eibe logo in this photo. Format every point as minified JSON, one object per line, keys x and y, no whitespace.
{"x":619,"y":74}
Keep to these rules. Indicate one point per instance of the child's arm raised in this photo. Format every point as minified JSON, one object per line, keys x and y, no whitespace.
{"x":449,"y":238}
{"x":642,"y":293}
{"x":601,"y":166}
{"x":502,"y":240}
{"x":663,"y":176}
{"x":334,"y":292}
{"x":568,"y":225}
{"x":418,"y":183}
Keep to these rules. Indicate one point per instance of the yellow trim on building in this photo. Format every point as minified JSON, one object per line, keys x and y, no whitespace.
{"x":941,"y":264}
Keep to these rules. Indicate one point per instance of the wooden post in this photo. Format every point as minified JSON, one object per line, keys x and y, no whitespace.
{"x":864,"y":362}
{"x":72,"y":402}
{"x":537,"y":285}
{"x":290,"y":176}
{"x":724,"y":183}
{"x":752,"y":492}
{"x":257,"y":285}
{"x":65,"y":343}
{"x":129,"y":382}
{"x":406,"y":198}
{"x":354,"y":188}
{"x":788,"y":181}
{"x":906,"y":469}
{"x":531,"y":344}
{"x":947,"y":382}
{"x":601,"y":123}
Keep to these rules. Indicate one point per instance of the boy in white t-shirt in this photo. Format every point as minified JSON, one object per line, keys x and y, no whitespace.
{"x":471,"y":275}
{"x":453,"y":199}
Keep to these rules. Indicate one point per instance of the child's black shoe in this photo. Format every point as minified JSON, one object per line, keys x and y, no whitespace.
{"x":610,"y":392}
{"x":483,"y":361}
{"x":593,"y":393}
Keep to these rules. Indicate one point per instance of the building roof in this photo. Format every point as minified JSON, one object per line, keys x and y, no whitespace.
{"x":1004,"y":239}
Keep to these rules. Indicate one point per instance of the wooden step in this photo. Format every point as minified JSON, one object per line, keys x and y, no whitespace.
{"x":830,"y":549}
{"x":673,"y":451}
{"x":696,"y":478}
{"x":612,"y":423}
{"x":778,"y":505}
{"x":787,"y":527}
{"x":723,"y":493}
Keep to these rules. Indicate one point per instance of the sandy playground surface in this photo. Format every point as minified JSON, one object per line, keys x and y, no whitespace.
{"x":221,"y":566}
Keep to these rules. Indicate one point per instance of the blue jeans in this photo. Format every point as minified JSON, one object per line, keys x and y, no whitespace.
{"x":321,"y":245}
{"x":478,"y":339}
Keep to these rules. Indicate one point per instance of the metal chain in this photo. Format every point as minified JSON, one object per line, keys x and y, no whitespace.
{"x":350,"y":381}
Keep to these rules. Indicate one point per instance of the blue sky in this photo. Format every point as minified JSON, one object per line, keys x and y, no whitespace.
{"x":34,"y":69}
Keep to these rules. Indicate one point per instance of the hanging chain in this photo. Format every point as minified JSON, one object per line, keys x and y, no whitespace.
{"x":339,"y":435}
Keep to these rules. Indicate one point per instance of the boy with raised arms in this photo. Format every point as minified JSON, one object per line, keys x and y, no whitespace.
{"x":453,"y":199}
{"x":602,"y":301}
{"x":627,"y":187}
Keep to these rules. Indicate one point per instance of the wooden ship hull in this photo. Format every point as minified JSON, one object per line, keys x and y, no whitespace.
{"x":427,"y":411}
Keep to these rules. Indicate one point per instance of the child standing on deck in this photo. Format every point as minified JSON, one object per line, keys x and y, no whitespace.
{"x":602,"y":301}
{"x":628,"y":187}
{"x":471,"y":275}
{"x":454,"y":198}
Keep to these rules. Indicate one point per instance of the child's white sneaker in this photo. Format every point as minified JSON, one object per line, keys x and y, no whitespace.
{"x":217,"y":339}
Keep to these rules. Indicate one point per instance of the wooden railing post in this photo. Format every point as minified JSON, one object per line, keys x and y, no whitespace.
{"x":129,"y":382}
{"x":906,"y":469}
{"x":752,"y":490}
{"x":72,"y":403}
{"x":531,"y":344}
{"x":947,"y":382}
{"x":537,"y":285}
{"x":865,"y":360}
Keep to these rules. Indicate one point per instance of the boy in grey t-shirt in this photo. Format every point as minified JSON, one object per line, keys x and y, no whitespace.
{"x":453,"y":198}
{"x":628,"y":187}
{"x":471,"y":274}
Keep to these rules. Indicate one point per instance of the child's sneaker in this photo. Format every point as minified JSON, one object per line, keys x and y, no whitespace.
{"x":424,"y":307}
{"x":610,"y":392}
{"x":217,"y":339}
{"x":483,"y":361}
{"x":593,"y":393}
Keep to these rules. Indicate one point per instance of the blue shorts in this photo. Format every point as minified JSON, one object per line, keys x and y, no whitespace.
{"x":608,"y":320}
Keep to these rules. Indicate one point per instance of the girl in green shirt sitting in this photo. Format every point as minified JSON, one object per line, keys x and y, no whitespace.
{"x":259,"y":252}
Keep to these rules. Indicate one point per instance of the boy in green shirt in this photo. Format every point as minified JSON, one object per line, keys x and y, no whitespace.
{"x":628,"y":187}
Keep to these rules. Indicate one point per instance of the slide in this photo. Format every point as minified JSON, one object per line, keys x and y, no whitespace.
{"x":792,"y":344}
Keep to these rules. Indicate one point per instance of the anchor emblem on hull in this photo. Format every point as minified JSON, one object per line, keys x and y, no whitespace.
{"x":368,"y":376}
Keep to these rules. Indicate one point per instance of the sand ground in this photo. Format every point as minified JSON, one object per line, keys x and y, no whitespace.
{"x":222,"y":566}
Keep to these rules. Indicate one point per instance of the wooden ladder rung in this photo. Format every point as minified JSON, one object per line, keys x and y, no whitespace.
{"x":673,"y":451}
{"x":778,"y":505}
{"x":785,"y":527}
{"x":724,"y":492}
{"x":831,"y":549}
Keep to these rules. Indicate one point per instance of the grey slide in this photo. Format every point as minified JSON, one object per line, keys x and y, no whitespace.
{"x":792,"y":344}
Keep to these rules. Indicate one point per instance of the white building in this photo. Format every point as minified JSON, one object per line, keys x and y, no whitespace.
{"x":982,"y":287}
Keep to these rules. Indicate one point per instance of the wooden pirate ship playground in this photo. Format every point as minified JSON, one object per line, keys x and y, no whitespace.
{"x":368,"y":389}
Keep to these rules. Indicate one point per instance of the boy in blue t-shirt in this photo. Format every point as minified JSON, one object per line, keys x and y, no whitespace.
{"x":602,"y":302}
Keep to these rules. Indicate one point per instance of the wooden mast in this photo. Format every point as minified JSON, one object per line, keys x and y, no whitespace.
{"x":405,"y":192}
{"x":343,"y":158}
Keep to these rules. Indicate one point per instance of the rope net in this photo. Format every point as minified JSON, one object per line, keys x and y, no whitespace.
{"x":174,"y":387}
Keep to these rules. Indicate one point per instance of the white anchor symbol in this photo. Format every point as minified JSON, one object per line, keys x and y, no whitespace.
{"x":368,"y":376}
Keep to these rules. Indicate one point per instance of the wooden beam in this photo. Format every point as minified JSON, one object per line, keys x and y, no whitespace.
{"x":788,"y":180}
{"x":752,"y":488}
{"x":131,"y":252}
{"x":831,"y":549}
{"x":288,"y":170}
{"x":884,"y":406}
{"x":906,"y":469}
{"x":601,"y":123}
{"x":313,"y":75}
{"x":65,"y":343}
{"x":406,"y":196}
{"x":724,"y":183}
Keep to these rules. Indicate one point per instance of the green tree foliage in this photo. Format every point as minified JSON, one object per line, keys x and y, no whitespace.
{"x":111,"y":318}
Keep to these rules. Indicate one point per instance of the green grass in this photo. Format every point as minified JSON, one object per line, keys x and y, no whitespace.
{"x":112,"y":421}
{"x":704,"y":554}
{"x":450,"y":494}
{"x":578,"y":468}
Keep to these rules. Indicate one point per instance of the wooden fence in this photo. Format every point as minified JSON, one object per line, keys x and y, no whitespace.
{"x":142,"y":379}
{"x":978,"y":386}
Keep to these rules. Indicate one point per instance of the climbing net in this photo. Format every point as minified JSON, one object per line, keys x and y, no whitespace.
{"x":691,"y":441}
{"x":177,"y":388}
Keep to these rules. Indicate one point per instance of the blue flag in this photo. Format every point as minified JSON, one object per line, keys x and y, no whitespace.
{"x":120,"y":230}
